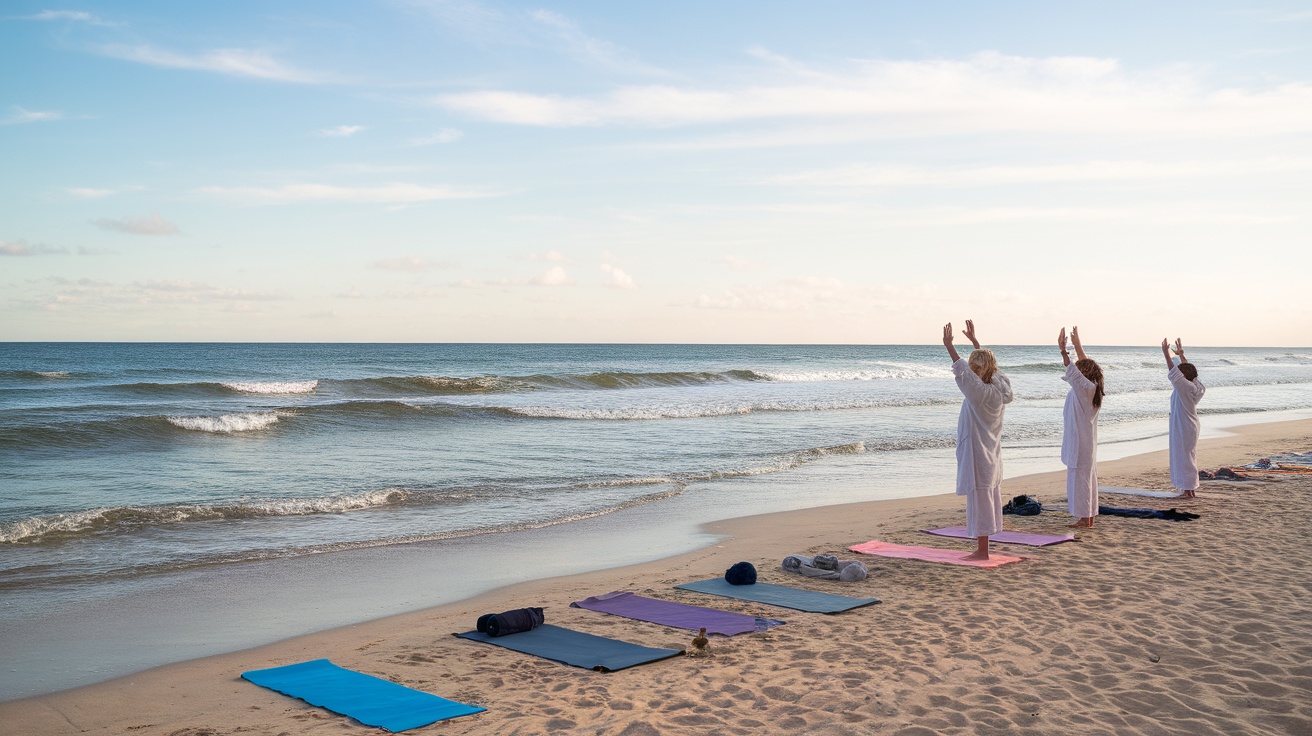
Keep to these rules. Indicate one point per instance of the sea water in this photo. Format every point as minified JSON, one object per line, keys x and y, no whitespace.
{"x":125,"y":465}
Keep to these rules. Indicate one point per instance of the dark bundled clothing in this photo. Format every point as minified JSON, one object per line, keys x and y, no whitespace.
{"x":1169,"y":514}
{"x":510,"y":622}
{"x":742,"y":573}
{"x":1023,"y":505}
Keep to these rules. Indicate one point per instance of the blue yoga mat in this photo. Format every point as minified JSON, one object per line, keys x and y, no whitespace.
{"x":576,"y":648}
{"x":367,"y":699}
{"x":779,"y":595}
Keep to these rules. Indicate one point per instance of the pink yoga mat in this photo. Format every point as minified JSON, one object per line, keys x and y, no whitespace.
{"x":1033,"y":540}
{"x":929,"y":554}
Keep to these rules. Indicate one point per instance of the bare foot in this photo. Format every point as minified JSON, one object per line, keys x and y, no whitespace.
{"x":1081,"y":524}
{"x":1188,"y":494}
{"x":976,"y":556}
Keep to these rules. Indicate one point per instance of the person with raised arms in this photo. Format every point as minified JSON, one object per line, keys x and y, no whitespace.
{"x":987,"y":392}
{"x":1184,"y":427}
{"x":1079,"y":440}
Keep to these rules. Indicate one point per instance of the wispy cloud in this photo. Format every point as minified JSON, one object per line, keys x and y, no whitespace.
{"x":340,"y":131}
{"x":616,"y":278}
{"x":150,"y":225}
{"x":19,"y":115}
{"x":571,"y":39}
{"x":23,"y":248}
{"x":235,"y":62}
{"x":76,"y":16}
{"x":385,"y":194}
{"x":865,"y":175}
{"x":78,"y":293}
{"x":445,"y":135}
{"x":554,"y":276}
{"x":988,"y":92}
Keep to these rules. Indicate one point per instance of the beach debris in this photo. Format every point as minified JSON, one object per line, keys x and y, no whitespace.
{"x":700,"y":642}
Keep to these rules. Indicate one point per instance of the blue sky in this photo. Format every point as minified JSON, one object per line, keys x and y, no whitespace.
{"x":419,"y":170}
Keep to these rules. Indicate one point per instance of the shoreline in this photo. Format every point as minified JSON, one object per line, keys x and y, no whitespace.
{"x":416,"y":648}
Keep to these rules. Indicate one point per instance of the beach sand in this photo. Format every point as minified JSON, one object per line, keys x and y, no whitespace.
{"x":1139,"y":627}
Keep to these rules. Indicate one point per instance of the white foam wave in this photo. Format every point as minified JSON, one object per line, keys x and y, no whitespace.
{"x":880,"y":372}
{"x":53,"y":374}
{"x":273,"y":387}
{"x":703,"y":411}
{"x":34,"y":528}
{"x":226,"y":423}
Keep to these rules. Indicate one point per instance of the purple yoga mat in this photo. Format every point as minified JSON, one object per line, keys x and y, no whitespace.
{"x":1033,"y":540}
{"x":678,"y":615}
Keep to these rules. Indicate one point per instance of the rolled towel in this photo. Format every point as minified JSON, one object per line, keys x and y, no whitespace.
{"x":826,"y":562}
{"x":792,"y":563}
{"x":510,"y":622}
{"x":852,"y":571}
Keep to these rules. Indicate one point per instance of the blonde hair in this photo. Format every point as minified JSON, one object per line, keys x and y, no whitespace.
{"x":983,"y":364}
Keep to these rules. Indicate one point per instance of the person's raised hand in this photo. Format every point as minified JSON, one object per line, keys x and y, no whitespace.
{"x":1061,"y":339}
{"x":970,"y":332}
{"x":947,"y":334}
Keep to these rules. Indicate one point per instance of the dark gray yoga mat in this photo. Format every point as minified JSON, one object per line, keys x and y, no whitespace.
{"x":576,"y":648}
{"x":779,"y":595}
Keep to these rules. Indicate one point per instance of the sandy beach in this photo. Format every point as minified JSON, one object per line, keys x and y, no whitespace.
{"x":1141,"y":626}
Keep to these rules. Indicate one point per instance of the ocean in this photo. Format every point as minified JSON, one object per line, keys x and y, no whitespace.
{"x":126,"y":466}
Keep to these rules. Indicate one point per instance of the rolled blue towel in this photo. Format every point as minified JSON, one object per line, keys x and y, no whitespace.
{"x":510,"y":622}
{"x":825,"y":562}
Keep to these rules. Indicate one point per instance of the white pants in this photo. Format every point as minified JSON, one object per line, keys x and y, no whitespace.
{"x":1082,"y":492}
{"x":984,"y":512}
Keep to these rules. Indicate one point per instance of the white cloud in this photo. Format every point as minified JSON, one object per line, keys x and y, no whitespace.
{"x":988,"y":92}
{"x":21,"y":115}
{"x":863,"y":175}
{"x":151,"y":225}
{"x":445,"y":135}
{"x":790,"y":295}
{"x":22,"y":248}
{"x":341,"y":131}
{"x":574,"y":42}
{"x":87,"y":292}
{"x":236,"y":62}
{"x":616,"y":278}
{"x":385,"y":194}
{"x":78,"y":16}
{"x":554,"y":276}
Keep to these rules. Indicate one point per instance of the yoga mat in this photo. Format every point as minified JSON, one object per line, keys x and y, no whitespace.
{"x":1138,"y":492}
{"x":779,"y":595}
{"x":679,"y":615}
{"x":576,"y":648}
{"x":1033,"y":540}
{"x":929,"y":554}
{"x":367,"y":699}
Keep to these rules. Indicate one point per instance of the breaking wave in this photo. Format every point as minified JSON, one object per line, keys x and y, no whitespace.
{"x":226,"y":423}
{"x":272,"y":387}
{"x":125,"y":518}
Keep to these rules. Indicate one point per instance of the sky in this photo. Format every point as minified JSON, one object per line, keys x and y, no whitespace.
{"x":726,"y":172}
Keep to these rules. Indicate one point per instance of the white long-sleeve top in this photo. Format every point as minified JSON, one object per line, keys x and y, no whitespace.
{"x":1184,"y":429}
{"x":1079,"y":439}
{"x":979,"y":429}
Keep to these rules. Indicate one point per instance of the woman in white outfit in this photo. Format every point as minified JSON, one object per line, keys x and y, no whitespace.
{"x":1184,"y":419}
{"x":979,"y":438}
{"x":1079,"y":441}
